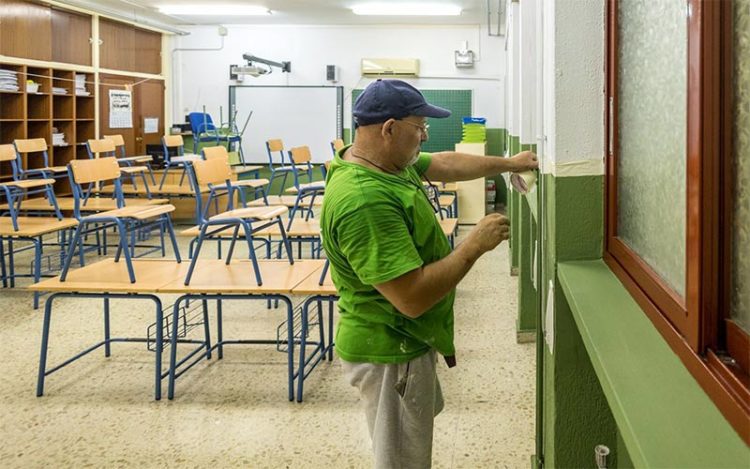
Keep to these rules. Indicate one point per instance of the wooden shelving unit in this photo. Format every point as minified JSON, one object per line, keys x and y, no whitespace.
{"x":53,"y":108}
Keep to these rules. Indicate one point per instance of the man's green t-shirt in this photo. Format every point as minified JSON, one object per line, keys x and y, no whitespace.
{"x":375,"y":228}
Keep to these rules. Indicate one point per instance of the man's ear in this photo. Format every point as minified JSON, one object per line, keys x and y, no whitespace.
{"x":386,"y":131}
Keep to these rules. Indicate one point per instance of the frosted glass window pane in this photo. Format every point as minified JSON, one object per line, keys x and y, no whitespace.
{"x":740,"y":309}
{"x":652,"y":111}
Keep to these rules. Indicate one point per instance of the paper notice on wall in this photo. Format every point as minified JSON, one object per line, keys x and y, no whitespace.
{"x":120,"y":109}
{"x":549,"y":318}
{"x":150,"y":125}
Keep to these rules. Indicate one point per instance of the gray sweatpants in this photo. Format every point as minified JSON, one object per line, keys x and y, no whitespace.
{"x":401,"y":401}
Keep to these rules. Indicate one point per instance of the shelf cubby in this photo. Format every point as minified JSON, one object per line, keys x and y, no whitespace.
{"x":39,"y":106}
{"x":62,"y":107}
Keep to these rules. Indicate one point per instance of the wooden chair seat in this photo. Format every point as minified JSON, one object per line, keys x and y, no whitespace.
{"x":254,"y":183}
{"x":52,"y":169}
{"x":449,"y":225}
{"x":28,"y":183}
{"x":261,"y":213}
{"x":133,"y":169}
{"x":245,"y":169}
{"x":139,"y":213}
{"x":185,"y":158}
{"x":286,"y":200}
{"x":299,"y":228}
{"x":446,"y":200}
{"x":319,"y":185}
{"x":135,"y":159}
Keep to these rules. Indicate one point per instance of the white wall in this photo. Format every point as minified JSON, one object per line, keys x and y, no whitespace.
{"x":574,"y":87}
{"x":202,"y":77}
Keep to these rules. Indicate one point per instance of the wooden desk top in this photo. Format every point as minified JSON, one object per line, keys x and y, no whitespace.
{"x":110,"y":276}
{"x":311,"y":286}
{"x":35,"y":226}
{"x":167,"y":276}
{"x":214,"y":276}
{"x":93,"y":204}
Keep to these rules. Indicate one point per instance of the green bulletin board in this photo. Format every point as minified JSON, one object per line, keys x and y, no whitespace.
{"x":444,"y":133}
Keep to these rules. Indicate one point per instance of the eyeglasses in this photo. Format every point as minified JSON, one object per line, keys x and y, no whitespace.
{"x":423,"y":127}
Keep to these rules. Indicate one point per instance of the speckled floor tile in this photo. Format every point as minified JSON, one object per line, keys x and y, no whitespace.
{"x":100,"y":412}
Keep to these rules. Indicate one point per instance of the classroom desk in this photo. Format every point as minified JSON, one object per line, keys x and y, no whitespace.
{"x":317,"y":292}
{"x":213,"y":280}
{"x":30,"y":229}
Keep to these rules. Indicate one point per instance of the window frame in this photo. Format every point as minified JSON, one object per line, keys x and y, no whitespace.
{"x":693,"y":326}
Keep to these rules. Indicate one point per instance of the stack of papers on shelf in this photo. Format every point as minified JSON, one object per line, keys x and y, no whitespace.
{"x":58,"y":138}
{"x":8,"y":80}
{"x":81,"y":85}
{"x":58,"y":90}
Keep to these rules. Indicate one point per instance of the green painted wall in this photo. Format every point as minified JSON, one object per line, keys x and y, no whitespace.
{"x":576,"y":414}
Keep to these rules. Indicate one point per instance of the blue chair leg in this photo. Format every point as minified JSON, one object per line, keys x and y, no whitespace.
{"x":37,"y":267}
{"x":196,"y":253}
{"x":73,"y":243}
{"x":253,"y":258}
{"x":3,"y":273}
{"x":232,"y":243}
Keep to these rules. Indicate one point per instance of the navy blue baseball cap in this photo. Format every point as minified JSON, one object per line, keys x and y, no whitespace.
{"x":392,"y":99}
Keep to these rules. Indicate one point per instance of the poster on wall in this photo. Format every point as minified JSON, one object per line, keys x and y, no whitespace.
{"x":120,"y":109}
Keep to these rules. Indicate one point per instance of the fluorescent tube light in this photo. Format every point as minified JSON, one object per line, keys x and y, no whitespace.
{"x":407,"y":9}
{"x":214,"y":10}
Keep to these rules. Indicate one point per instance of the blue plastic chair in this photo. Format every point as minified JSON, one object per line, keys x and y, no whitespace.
{"x":203,"y":129}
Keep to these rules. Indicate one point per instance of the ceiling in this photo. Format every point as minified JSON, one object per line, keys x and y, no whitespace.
{"x":285,"y":12}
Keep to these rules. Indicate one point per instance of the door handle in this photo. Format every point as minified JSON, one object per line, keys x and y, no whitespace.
{"x":139,"y":139}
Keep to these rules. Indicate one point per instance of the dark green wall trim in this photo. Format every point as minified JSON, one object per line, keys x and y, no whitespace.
{"x":527,"y":294}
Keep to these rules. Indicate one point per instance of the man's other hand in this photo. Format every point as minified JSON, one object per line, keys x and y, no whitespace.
{"x":489,"y":232}
{"x":524,"y":161}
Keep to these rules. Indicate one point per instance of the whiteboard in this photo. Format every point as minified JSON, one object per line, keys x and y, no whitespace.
{"x":298,"y":115}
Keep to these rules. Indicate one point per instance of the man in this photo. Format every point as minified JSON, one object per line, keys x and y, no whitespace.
{"x":393,"y":266}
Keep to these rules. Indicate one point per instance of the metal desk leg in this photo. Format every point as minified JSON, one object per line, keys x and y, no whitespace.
{"x":107,"y":344}
{"x":45,"y":342}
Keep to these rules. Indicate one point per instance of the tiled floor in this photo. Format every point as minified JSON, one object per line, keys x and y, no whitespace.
{"x":100,"y":412}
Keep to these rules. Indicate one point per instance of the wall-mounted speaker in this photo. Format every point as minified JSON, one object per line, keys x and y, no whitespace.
{"x":332,"y":73}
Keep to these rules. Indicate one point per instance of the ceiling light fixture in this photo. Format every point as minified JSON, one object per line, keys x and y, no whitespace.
{"x":407,"y":9}
{"x":214,"y":10}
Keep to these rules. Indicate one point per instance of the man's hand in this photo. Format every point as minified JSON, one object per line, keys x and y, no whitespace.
{"x":524,"y":161}
{"x":489,"y":232}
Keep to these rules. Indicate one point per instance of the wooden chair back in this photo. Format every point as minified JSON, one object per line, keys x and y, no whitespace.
{"x":104,"y":145}
{"x":30,"y":145}
{"x":96,"y":170}
{"x":7,"y":152}
{"x":337,"y":144}
{"x":275,"y":144}
{"x":214,"y":170}
{"x":172,"y":141}
{"x":117,"y":139}
{"x":300,"y":155}
{"x":218,"y":151}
